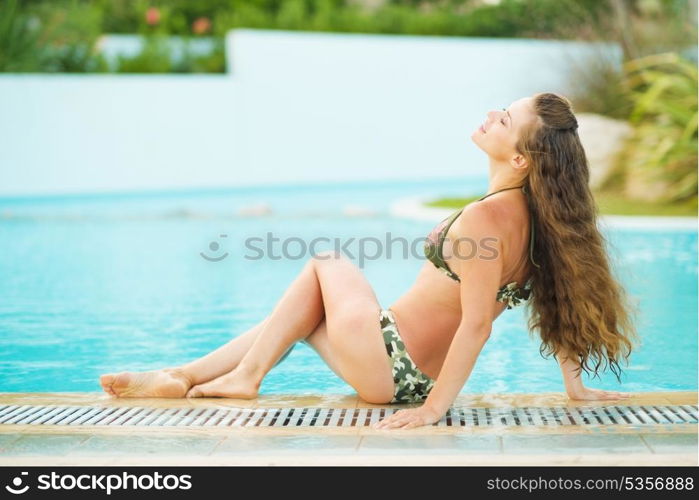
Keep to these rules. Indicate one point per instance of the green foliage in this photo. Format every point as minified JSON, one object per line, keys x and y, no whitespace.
{"x":640,"y":28}
{"x":154,"y":58}
{"x":655,"y":89}
{"x":292,"y":15}
{"x":214,"y":62}
{"x":69,"y":37}
{"x":18,"y":39}
{"x":608,"y":203}
{"x":77,"y":23}
{"x":68,"y":29}
{"x":76,"y":57}
{"x":510,"y":18}
{"x":597,"y":87}
{"x":663,"y":89}
{"x":157,"y":56}
{"x":41,"y":38}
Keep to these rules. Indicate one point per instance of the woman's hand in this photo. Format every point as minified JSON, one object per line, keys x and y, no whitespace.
{"x":409,"y":418}
{"x":586,"y":394}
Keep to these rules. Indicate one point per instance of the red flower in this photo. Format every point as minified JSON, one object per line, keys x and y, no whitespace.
{"x":152,"y":16}
{"x":201,"y":25}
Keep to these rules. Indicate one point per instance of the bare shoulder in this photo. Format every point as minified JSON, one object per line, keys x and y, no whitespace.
{"x":480,"y":220}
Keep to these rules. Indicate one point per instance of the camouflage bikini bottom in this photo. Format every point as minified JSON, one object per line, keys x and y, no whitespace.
{"x":411,"y":385}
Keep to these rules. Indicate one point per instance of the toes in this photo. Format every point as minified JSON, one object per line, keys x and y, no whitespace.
{"x":194,"y":392}
{"x":123,"y":385}
{"x":106,"y":380}
{"x":121,"y":381}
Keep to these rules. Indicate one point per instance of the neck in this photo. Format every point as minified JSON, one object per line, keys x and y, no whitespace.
{"x":502,"y":176}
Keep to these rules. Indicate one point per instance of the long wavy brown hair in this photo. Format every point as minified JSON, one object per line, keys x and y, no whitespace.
{"x":577,"y":305}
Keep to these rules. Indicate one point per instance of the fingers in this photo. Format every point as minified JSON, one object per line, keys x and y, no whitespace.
{"x":395,"y":421}
{"x":391,"y":420}
{"x":390,"y":424}
{"x":411,"y":425}
{"x":620,"y":395}
{"x":606,"y":395}
{"x":381,"y":424}
{"x":396,"y":425}
{"x":614,"y":394}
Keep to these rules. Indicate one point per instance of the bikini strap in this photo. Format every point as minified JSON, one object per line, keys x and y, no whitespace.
{"x":499,"y":190}
{"x":531,"y":231}
{"x":531,"y":240}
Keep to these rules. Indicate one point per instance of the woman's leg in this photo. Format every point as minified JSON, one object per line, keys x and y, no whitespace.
{"x":294,"y":317}
{"x":332,"y":288}
{"x":350,"y":286}
{"x":175,"y":381}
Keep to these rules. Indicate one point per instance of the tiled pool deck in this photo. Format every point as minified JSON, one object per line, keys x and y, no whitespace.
{"x":648,"y":444}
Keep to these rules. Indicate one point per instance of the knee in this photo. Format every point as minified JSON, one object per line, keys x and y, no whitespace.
{"x":326,"y":256}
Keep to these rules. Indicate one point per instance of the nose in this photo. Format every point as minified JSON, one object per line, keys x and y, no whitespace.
{"x":493,"y":115}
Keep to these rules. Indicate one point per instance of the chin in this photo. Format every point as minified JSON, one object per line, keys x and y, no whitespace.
{"x":480,"y":146}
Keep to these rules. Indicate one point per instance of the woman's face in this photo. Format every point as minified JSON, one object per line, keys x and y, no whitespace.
{"x":499,"y":132}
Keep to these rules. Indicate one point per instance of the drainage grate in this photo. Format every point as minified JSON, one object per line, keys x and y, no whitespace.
{"x":341,"y":417}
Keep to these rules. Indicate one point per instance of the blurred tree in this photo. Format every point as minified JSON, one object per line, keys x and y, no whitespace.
{"x":19,"y":36}
{"x":640,"y":25}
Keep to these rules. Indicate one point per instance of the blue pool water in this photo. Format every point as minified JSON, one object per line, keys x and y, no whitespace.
{"x":92,"y":284}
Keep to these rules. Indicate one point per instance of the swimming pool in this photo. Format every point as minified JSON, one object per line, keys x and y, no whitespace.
{"x":92,"y":284}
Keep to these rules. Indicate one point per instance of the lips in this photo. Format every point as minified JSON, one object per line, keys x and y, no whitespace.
{"x":482,"y":129}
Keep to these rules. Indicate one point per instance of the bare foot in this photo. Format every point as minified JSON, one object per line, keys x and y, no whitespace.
{"x":234,"y":384}
{"x":166,"y":383}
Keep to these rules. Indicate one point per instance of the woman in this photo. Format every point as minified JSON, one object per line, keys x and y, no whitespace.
{"x":436,"y":330}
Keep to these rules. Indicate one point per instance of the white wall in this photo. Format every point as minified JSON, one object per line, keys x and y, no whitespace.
{"x":295,"y":107}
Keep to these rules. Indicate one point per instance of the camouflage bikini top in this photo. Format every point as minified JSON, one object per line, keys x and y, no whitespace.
{"x":510,"y":293}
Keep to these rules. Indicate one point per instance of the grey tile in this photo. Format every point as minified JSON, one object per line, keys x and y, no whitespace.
{"x":288,"y":444}
{"x":672,"y":443}
{"x":439,"y":444}
{"x":573,"y":444}
{"x":44,"y":444}
{"x":105,"y":445}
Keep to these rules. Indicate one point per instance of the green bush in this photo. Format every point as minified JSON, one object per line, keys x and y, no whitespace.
{"x":154,"y":58}
{"x":663,"y":147}
{"x":67,"y":31}
{"x":597,"y":86}
{"x":42,"y":38}
{"x":19,"y":47}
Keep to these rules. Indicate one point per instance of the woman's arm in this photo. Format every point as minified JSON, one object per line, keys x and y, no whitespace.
{"x":464,"y":350}
{"x":477,"y":260}
{"x":458,"y":365}
{"x":573,"y":382}
{"x":569,"y":365}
